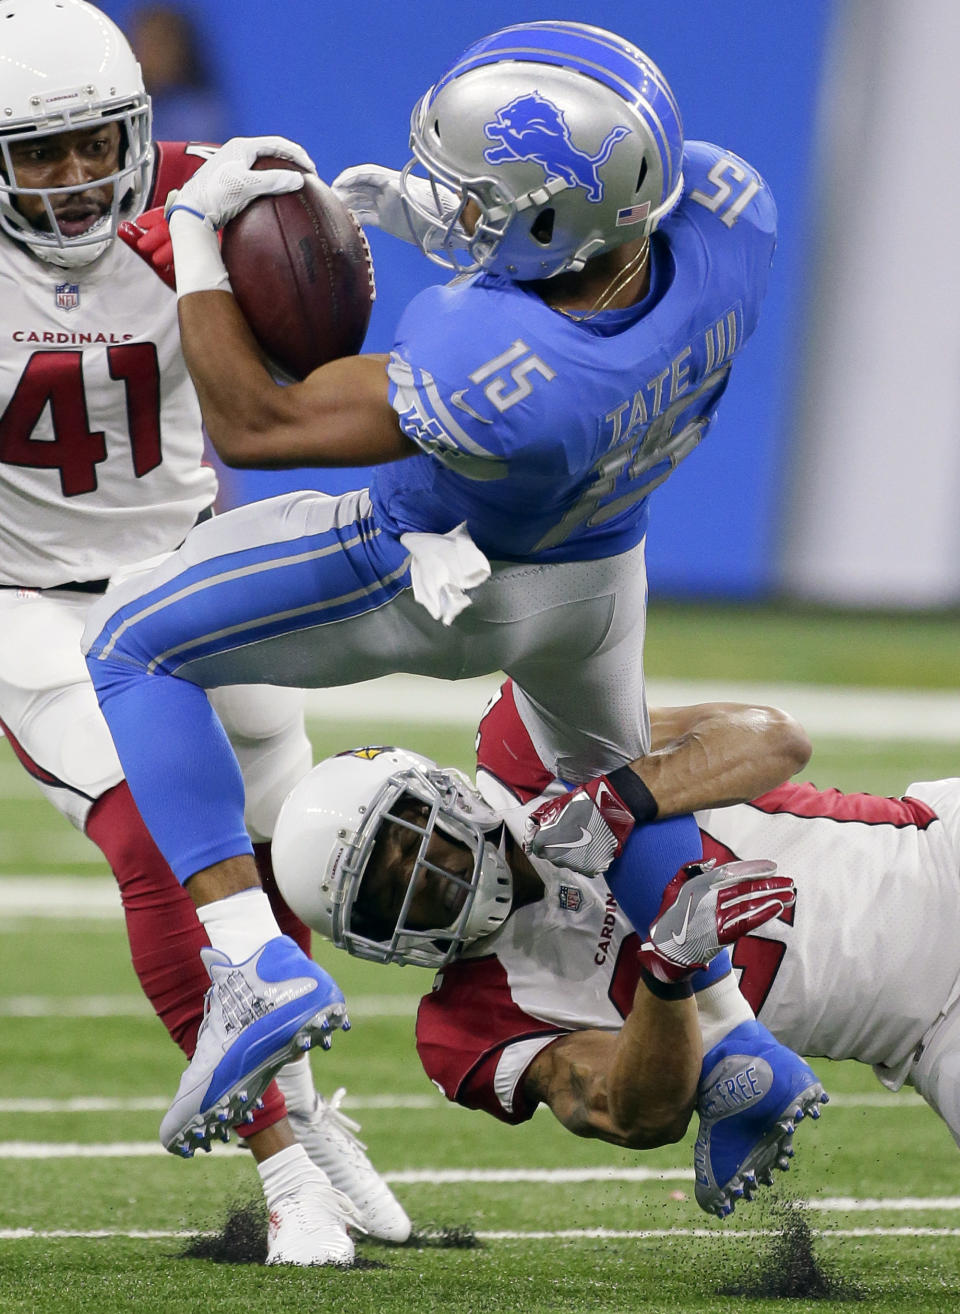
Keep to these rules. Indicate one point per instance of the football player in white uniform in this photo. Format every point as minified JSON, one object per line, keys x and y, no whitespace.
{"x":540,"y":994}
{"x":101,"y":465}
{"x":546,"y":993}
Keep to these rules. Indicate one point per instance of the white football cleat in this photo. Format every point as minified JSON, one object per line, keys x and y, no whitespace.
{"x":330,"y":1140}
{"x":308,"y":1227}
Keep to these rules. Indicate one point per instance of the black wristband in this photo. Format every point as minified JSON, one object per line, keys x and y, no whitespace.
{"x":665,"y":989}
{"x":634,"y":793}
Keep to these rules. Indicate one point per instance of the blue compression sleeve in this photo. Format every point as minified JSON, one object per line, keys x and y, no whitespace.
{"x":179,"y":765}
{"x":651,"y":858}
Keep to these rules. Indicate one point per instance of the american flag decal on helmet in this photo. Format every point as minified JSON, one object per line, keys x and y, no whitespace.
{"x":634,"y":214}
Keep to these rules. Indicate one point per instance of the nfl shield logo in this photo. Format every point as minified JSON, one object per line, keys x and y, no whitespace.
{"x":68,"y":296}
{"x":570,"y":898}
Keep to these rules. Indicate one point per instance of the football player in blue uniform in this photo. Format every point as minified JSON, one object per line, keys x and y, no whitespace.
{"x":607,"y":275}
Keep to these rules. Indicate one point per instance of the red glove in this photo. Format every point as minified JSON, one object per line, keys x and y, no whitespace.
{"x":586,"y":828}
{"x":705,"y":908}
{"x":149,"y":236}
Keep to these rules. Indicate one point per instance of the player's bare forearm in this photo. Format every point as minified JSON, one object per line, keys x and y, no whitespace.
{"x":340,"y":415}
{"x":635,"y":1088}
{"x":655,"y":1068}
{"x":715,"y":754}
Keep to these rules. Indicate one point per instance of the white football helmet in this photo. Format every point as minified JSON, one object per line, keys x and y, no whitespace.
{"x":65,"y":66}
{"x":326,"y":832}
{"x":566,"y":137}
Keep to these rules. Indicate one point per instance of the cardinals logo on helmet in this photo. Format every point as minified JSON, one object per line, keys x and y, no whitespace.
{"x":368,"y":753}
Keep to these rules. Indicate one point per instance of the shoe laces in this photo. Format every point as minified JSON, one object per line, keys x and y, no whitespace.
{"x":330,"y":1110}
{"x":239,"y":1002}
{"x":325,"y":1193}
{"x":299,"y":1209}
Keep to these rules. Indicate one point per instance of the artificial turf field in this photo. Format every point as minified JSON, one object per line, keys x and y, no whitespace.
{"x":94,"y":1216}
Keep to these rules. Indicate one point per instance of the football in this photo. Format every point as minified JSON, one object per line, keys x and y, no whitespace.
{"x":301,"y":272}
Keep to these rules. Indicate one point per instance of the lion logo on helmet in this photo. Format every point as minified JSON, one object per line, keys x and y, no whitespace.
{"x":533,"y":128}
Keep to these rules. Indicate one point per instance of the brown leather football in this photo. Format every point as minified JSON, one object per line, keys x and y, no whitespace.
{"x":301,"y":272}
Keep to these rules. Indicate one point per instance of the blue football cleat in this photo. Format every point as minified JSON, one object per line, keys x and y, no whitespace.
{"x":752,"y":1093}
{"x":257,"y":1016}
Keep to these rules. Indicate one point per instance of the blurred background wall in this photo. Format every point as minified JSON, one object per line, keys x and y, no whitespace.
{"x":834,"y":469}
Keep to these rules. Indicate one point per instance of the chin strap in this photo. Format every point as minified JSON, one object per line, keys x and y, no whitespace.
{"x":66,"y":258}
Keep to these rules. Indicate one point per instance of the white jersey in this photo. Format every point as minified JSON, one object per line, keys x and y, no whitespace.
{"x":565,"y":963}
{"x":867,"y":958}
{"x":861,"y":967}
{"x":100,"y":431}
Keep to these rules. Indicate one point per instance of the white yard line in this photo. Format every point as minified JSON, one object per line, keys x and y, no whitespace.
{"x":907,"y":1204}
{"x":52,"y":1006}
{"x":834,"y":710}
{"x":152,"y":1103}
{"x":568,"y":1234}
{"x":32,"y":1150}
{"x":66,"y":1150}
{"x":877,"y":1100}
{"x":62,"y":897}
{"x":676,"y":1233}
{"x":80,"y":1006}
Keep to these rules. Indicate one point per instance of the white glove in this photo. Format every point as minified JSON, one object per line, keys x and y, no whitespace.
{"x":227,"y":183}
{"x":373,"y":193}
{"x":218,"y":191}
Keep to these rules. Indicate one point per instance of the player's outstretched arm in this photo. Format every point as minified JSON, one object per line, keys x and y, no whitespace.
{"x":711,"y":755}
{"x":635,"y":1088}
{"x":705,"y":756}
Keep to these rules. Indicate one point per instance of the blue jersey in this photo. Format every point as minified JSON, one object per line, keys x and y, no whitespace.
{"x":546,"y":434}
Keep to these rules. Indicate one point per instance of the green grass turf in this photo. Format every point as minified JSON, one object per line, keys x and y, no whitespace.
{"x":853,"y":1151}
{"x":896,"y":1150}
{"x":804,"y":644}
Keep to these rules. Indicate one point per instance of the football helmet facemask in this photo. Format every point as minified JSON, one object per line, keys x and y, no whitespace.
{"x":328,"y":828}
{"x":67,"y":67}
{"x":566,"y":138}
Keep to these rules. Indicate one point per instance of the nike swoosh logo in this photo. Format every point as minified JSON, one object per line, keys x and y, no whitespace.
{"x":603,"y":794}
{"x":458,"y":401}
{"x":585,"y":839}
{"x":681,"y":938}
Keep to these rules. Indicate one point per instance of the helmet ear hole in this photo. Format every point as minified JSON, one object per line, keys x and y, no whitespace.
{"x":541,"y":229}
{"x":642,"y":174}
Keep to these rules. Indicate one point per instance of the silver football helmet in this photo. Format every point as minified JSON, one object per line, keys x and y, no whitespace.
{"x":566,"y":138}
{"x":325,"y":837}
{"x":65,"y":66}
